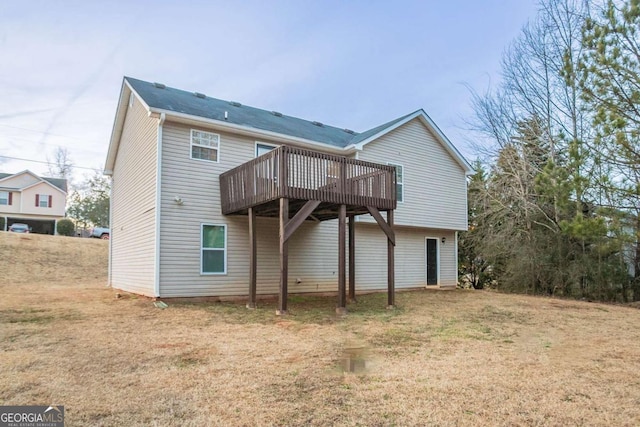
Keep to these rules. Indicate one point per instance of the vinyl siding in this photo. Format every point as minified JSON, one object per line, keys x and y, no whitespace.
{"x":196,"y":182}
{"x":435,"y":189}
{"x":20,"y":180}
{"x":27,"y":201}
{"x":133,"y":204}
{"x":14,"y":207}
{"x":312,"y":249}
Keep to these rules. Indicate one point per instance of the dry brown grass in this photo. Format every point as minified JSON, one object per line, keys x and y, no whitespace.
{"x":442,"y":358}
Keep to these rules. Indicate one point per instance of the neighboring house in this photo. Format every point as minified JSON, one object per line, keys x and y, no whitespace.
{"x":33,"y":200}
{"x":215,"y":198}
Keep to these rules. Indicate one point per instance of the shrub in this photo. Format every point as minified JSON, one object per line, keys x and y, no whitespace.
{"x":1,"y":223}
{"x":66,"y":227}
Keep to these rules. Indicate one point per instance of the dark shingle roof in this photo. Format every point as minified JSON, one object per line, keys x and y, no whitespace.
{"x":367,"y":134}
{"x":180,"y":101}
{"x":58,"y":182}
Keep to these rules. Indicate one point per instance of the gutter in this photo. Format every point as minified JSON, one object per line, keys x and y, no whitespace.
{"x":156,"y":280}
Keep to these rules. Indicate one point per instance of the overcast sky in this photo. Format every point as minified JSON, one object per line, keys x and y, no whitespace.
{"x":351,"y":64}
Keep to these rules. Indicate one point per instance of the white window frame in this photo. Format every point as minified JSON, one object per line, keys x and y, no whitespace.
{"x":202,"y":249}
{"x":46,"y":198}
{"x":264,"y":144}
{"x":216,"y":148}
{"x":396,"y":165}
{"x":6,"y":198}
{"x":426,"y":273}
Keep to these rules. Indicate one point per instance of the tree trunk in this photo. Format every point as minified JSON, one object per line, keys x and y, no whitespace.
{"x":636,"y":263}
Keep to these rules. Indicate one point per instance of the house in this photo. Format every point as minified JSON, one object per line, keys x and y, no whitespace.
{"x":33,"y":200}
{"x":216,"y":198}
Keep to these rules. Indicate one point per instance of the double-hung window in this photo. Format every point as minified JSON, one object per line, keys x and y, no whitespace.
{"x":5,"y":198}
{"x":43,"y":200}
{"x":399,"y":181}
{"x":205,"y":145}
{"x":213,"y":258}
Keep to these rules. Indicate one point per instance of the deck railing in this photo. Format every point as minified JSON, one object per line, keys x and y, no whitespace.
{"x":296,"y":173}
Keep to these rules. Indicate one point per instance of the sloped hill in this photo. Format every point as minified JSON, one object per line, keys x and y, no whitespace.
{"x":35,"y":258}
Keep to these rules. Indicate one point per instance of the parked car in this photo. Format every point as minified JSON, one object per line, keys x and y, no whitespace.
{"x":19,"y":228}
{"x":100,"y":233}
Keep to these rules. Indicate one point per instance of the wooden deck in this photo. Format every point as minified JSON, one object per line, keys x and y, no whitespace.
{"x":294,"y":184}
{"x":301,"y":175}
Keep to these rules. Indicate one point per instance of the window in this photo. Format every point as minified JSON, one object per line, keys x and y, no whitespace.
{"x":5,"y":198}
{"x":399,"y":181}
{"x":205,"y":145}
{"x":214,"y":249}
{"x":43,"y":200}
{"x":262,"y":148}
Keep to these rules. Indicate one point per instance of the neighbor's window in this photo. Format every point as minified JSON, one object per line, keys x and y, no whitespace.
{"x":399,"y":181}
{"x":4,"y":197}
{"x":43,"y":200}
{"x":214,"y":249}
{"x":262,"y":148}
{"x":204,"y":145}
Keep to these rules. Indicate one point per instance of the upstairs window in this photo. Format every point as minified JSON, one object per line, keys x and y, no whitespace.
{"x":205,"y":145}
{"x":43,"y":200}
{"x":5,"y":197}
{"x":399,"y":181}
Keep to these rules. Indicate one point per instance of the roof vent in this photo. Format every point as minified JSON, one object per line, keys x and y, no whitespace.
{"x":235,"y":104}
{"x":349,"y":131}
{"x":276,"y":113}
{"x":318,"y":124}
{"x":159,"y":85}
{"x":200,"y":95}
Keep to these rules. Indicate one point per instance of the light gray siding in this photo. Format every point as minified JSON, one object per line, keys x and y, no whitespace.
{"x":313,"y":249}
{"x":133,"y":204}
{"x":196,"y":182}
{"x":435,"y":189}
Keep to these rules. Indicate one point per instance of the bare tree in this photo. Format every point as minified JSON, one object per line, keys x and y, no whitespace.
{"x":538,"y":225}
{"x":60,"y":164}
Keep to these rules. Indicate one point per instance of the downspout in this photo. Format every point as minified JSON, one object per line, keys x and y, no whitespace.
{"x":455,"y":248}
{"x":156,"y":281}
{"x":109,"y":276}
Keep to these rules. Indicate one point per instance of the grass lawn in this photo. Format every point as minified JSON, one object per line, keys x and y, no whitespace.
{"x":442,"y":358}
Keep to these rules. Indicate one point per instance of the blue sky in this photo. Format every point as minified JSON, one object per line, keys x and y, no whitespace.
{"x":351,"y":64}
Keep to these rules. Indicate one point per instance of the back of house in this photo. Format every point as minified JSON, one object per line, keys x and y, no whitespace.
{"x":170,"y":238}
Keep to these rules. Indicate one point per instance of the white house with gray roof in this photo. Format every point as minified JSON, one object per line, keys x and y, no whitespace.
{"x":30,"y":199}
{"x":216,"y":198}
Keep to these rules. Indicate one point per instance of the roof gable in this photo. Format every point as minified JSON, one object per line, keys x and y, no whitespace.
{"x":431,"y":126}
{"x":58,"y":183}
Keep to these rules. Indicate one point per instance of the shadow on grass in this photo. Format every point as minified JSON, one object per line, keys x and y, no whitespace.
{"x":305,"y":309}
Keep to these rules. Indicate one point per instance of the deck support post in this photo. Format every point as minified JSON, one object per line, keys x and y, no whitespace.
{"x":352,"y":258}
{"x":342,"y":290}
{"x":252,"y":258}
{"x":391,"y":297}
{"x":284,"y":258}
